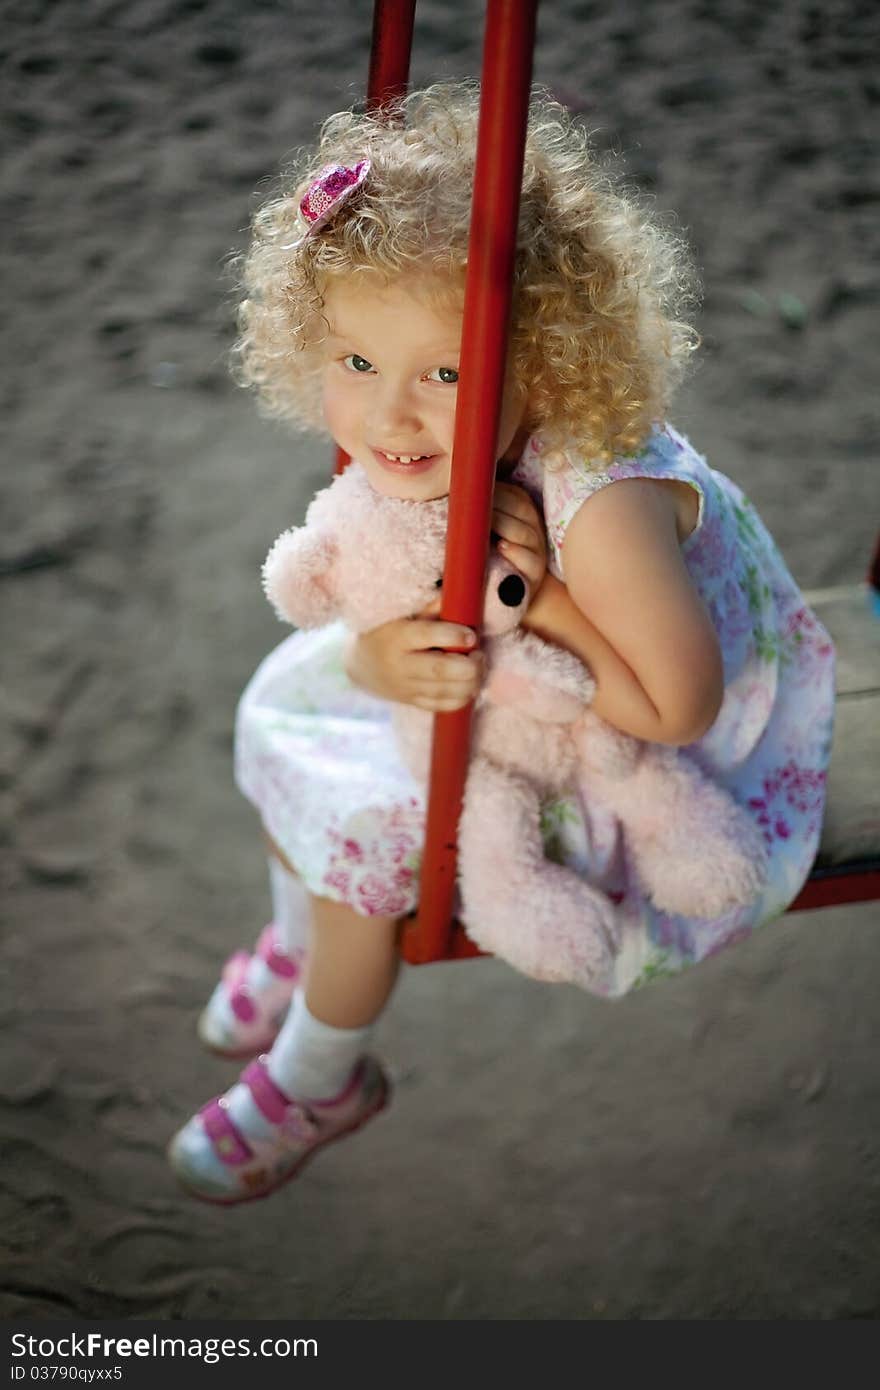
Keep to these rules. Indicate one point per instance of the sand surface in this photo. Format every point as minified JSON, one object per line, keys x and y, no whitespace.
{"x":709,"y":1148}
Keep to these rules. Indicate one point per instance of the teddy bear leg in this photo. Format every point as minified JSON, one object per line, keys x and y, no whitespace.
{"x":541,"y":917}
{"x":696,"y":851}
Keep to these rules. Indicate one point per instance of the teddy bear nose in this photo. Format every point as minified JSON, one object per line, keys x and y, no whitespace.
{"x":512,"y":591}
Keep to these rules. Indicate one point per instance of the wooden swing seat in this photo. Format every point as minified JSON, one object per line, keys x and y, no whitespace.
{"x":847,"y":867}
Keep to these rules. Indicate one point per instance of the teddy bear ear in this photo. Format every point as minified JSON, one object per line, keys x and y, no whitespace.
{"x":299,"y":577}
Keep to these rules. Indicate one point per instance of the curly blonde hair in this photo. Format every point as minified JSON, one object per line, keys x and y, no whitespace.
{"x":598,"y":339}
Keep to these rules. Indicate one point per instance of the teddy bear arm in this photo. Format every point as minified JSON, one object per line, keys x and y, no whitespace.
{"x":542,"y":681}
{"x":540,"y":916}
{"x":545,"y":703}
{"x":299,"y":576}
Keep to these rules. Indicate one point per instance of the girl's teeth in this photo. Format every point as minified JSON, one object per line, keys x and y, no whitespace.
{"x":405,"y":458}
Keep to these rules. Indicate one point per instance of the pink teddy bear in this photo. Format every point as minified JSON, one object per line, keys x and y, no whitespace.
{"x":368,"y":559}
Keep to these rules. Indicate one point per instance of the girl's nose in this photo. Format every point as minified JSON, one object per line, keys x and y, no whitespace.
{"x":393,"y":410}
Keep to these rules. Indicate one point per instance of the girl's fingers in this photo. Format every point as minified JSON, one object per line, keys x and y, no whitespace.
{"x":516,"y":516}
{"x":441,"y":706}
{"x":446,"y":670}
{"x":519,"y":532}
{"x":457,"y":692}
{"x":516,"y":503}
{"x":422,"y":634}
{"x":525,"y":560}
{"x":433,"y":682}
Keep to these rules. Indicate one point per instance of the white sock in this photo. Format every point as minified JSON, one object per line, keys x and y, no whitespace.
{"x":312,"y":1059}
{"x":290,"y":915}
{"x":290,"y":907}
{"x":309,"y":1060}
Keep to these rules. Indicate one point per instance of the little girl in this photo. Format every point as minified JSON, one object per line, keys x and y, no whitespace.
{"x":654,"y":569}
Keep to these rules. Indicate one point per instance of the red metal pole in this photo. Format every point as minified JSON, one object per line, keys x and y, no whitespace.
{"x":390,"y":52}
{"x":388,"y":80}
{"x":506,"y":81}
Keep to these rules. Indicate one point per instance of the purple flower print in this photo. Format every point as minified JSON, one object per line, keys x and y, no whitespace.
{"x":806,"y":644}
{"x":712,"y":554}
{"x":621,"y":469}
{"x":800,"y":790}
{"x":804,"y":787}
{"x":737,"y":619}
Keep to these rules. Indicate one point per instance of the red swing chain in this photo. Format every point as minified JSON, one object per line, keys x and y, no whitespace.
{"x":504,"y":101}
{"x":508,"y":46}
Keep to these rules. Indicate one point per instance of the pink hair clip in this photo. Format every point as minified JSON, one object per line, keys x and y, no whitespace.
{"x":324,"y":197}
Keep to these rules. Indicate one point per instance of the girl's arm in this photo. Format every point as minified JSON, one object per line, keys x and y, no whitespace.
{"x":628,"y":609}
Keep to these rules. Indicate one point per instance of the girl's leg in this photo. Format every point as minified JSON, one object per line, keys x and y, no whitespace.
{"x":251,"y":999}
{"x":353,"y":964}
{"x":317,"y":1081}
{"x":290,"y":905}
{"x":351,"y":970}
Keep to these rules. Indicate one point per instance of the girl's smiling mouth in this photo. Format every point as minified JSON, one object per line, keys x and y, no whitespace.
{"x":404,"y":463}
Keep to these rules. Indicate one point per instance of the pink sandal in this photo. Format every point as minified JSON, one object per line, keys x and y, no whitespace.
{"x":244,"y":1014}
{"x":214,"y":1161}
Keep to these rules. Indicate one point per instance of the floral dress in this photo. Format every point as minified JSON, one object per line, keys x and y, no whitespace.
{"x":317,"y":757}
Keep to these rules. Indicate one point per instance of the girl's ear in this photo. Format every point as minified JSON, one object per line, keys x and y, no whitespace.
{"x":299,"y":576}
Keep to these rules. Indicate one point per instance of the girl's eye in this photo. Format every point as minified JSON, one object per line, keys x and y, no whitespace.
{"x":448,"y":375}
{"x":357,"y":364}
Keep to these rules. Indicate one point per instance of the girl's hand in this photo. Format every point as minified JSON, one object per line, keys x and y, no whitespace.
{"x":520,"y":528}
{"x":397,"y":661}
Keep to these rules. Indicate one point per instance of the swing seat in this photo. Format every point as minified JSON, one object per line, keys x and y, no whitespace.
{"x":847,"y":867}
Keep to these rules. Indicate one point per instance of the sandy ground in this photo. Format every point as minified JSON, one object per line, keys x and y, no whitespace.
{"x":709,"y":1148}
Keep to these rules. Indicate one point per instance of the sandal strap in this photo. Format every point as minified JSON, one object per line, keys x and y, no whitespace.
{"x":269,"y":1099}
{"x":233,"y":970}
{"x":226,"y":1139}
{"x":242,"y":1005}
{"x":354,"y":1083}
{"x":233,"y":979}
{"x":278,"y":960}
{"x":286,"y":967}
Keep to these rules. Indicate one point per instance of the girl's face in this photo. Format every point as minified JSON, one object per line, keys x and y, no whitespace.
{"x":389,"y":377}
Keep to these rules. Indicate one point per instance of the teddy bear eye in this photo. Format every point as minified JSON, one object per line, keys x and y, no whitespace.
{"x":512,"y":590}
{"x":438,"y":583}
